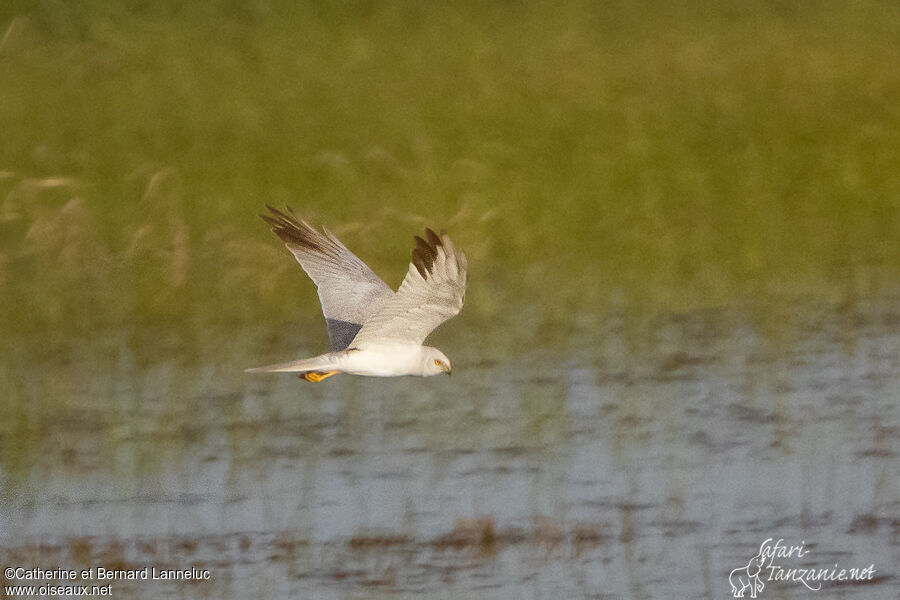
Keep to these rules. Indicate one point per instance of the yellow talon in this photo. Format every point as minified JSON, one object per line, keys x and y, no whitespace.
{"x":316,"y":377}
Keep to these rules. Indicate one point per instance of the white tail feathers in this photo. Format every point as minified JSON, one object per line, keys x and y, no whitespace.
{"x":324,"y":362}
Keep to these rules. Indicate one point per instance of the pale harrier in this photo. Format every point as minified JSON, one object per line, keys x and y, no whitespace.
{"x":374,"y":331}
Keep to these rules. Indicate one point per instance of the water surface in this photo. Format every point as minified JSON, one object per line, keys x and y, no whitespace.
{"x":603,"y":468}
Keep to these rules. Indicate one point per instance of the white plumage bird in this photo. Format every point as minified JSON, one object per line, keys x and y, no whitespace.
{"x":374,"y":331}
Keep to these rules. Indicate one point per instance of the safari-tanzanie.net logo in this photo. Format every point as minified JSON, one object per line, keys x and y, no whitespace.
{"x":779,"y":562}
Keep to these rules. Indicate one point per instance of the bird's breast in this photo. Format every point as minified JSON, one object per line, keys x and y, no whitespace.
{"x":383,"y":360}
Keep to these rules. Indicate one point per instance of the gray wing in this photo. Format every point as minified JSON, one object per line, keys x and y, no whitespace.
{"x":349,"y":291}
{"x":431,"y":293}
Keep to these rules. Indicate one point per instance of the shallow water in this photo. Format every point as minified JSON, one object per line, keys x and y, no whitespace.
{"x":602,"y":469}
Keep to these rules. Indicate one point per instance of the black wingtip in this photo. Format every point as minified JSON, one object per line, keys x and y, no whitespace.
{"x":292,"y":230}
{"x":274,"y":217}
{"x":433,"y":238}
{"x":425,"y":252}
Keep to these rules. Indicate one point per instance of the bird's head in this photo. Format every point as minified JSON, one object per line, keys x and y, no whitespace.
{"x":436,"y":362}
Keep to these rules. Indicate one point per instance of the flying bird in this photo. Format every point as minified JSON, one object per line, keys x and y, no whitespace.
{"x":373,"y":330}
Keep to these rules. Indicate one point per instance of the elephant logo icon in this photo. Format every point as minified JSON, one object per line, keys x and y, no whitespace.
{"x":744,"y":578}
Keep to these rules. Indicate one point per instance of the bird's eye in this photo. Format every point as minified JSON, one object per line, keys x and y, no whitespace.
{"x":437,"y":363}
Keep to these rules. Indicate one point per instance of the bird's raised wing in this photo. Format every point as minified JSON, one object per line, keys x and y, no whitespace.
{"x":349,"y":291}
{"x":431,"y":293}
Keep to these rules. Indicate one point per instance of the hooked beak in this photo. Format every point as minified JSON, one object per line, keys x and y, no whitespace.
{"x":447,"y":370}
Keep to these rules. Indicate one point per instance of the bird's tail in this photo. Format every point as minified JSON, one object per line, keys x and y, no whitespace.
{"x":321,"y":363}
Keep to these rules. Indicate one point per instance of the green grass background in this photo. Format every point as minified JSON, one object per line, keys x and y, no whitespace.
{"x":645,"y":157}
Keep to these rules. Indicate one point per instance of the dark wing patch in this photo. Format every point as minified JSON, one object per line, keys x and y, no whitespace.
{"x":424,"y":254}
{"x":341,"y":333}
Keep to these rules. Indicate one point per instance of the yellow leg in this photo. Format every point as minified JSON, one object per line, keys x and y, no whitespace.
{"x":316,"y":377}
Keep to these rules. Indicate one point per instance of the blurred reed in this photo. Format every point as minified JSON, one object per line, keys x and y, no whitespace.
{"x":622,"y":157}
